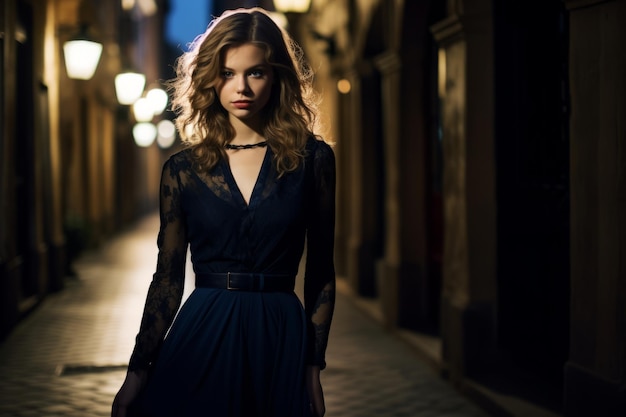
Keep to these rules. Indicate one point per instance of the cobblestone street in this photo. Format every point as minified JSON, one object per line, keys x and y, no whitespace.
{"x":68,"y":357}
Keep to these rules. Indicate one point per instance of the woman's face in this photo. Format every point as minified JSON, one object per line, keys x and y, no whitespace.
{"x":246,"y":82}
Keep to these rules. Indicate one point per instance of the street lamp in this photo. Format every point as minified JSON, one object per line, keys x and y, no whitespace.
{"x":144,"y":134}
{"x":143,"y":110}
{"x":166,"y":134}
{"x":81,"y":56}
{"x":129,"y":86}
{"x":292,"y":6}
{"x":158,"y":99}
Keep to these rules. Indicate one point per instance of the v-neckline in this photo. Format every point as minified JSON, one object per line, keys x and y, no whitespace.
{"x":236,"y":191}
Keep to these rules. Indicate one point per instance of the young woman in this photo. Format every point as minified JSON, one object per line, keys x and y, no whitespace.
{"x":253,"y":186}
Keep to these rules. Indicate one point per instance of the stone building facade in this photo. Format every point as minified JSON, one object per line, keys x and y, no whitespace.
{"x":70,"y":174}
{"x":481,"y":179}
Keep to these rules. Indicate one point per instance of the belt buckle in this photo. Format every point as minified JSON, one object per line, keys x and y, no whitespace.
{"x":228,"y":286}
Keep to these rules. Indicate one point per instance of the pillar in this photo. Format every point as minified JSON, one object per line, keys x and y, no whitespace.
{"x":595,"y":375}
{"x":469,"y":266}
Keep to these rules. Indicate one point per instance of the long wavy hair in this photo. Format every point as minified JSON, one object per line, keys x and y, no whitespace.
{"x":289,"y":114}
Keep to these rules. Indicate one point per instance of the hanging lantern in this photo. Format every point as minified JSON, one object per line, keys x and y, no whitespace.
{"x":166,"y":134}
{"x":144,"y":134}
{"x":81,"y":56}
{"x":143,"y":110}
{"x":292,"y":6}
{"x":158,"y":99}
{"x":129,"y":87}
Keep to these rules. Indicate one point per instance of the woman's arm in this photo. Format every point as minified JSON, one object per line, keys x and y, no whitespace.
{"x":166,"y":290}
{"x":319,"y":284}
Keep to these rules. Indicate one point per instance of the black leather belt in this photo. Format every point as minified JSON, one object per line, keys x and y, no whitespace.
{"x":243,"y":281}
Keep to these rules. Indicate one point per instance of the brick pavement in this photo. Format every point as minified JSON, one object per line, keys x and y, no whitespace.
{"x":68,"y":357}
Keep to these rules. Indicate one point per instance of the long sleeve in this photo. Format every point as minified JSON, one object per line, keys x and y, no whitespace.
{"x":319,"y":284}
{"x":166,"y":290}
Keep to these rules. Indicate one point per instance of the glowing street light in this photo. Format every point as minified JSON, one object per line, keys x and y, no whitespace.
{"x":166,"y":134}
{"x":129,"y":87}
{"x":81,"y":56}
{"x":292,"y":6}
{"x":158,"y":99}
{"x":144,"y":134}
{"x":143,"y":110}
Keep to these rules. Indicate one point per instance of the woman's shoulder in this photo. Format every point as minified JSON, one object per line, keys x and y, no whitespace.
{"x":318,"y":147}
{"x":179,"y":160}
{"x":320,"y":151}
{"x":320,"y":156}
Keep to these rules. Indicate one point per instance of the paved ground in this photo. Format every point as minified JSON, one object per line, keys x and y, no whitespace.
{"x":68,"y":357}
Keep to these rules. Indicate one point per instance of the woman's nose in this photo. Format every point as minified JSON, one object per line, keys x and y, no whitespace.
{"x":242,"y":85}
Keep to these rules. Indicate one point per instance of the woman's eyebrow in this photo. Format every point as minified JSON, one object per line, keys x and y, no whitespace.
{"x":257,"y":66}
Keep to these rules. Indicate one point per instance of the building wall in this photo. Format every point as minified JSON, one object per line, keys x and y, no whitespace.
{"x":10,"y":262}
{"x":595,"y":375}
{"x":527,"y":120}
{"x":469,"y":258}
{"x":61,"y":144}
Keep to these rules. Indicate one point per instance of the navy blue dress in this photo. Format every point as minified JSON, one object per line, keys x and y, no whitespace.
{"x":238,"y":353}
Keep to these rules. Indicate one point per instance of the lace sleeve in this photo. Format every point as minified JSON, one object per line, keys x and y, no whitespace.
{"x":319,"y":279}
{"x":166,"y":290}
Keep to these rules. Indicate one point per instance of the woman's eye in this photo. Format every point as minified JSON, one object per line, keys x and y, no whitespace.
{"x":256,"y":73}
{"x":227,"y":74}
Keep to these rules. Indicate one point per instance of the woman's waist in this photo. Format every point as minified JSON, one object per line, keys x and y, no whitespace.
{"x":247,"y":281}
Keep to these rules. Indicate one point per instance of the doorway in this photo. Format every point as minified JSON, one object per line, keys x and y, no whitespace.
{"x":532,"y":159}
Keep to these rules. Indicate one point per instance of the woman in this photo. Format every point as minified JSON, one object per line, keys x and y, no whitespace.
{"x":253,"y":185}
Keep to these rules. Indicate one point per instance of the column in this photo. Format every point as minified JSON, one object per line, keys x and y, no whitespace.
{"x":595,"y":375}
{"x":469,"y":264}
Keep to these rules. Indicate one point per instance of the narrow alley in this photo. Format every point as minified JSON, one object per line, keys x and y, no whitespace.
{"x":68,"y":357}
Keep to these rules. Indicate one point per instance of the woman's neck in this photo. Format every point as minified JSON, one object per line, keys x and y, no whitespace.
{"x":246,"y":133}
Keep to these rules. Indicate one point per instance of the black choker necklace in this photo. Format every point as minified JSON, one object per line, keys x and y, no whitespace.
{"x":253,"y":145}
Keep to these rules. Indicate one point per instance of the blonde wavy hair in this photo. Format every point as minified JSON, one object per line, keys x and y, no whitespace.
{"x":289,"y":114}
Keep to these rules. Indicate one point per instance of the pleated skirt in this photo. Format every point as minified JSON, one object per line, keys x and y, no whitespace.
{"x":231,"y":354}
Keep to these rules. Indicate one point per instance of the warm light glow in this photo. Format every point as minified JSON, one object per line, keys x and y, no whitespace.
{"x":81,"y":58}
{"x":442,"y":72}
{"x":129,"y":87}
{"x":144,"y":134}
{"x":280,"y":19}
{"x":147,"y":7}
{"x":166,"y":134}
{"x":344,"y":86}
{"x":128,"y":4}
{"x":158,"y":99}
{"x":143,"y":110}
{"x":292,"y":6}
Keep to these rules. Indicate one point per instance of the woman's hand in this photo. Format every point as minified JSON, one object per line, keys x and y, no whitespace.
{"x":133,"y":383}
{"x":314,"y":388}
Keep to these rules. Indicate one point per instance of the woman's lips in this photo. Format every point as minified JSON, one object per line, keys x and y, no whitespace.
{"x":243,"y":104}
